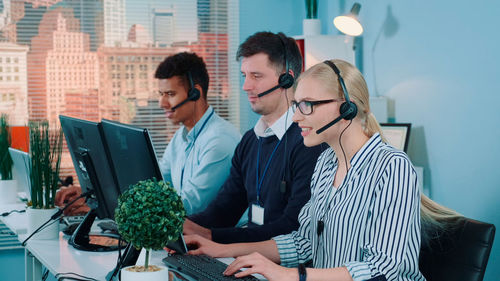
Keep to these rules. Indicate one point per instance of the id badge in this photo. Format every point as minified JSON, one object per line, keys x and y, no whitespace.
{"x":257,"y":214}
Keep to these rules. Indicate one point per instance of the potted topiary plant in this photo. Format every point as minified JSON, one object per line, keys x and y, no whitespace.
{"x":45,"y":153}
{"x":8,"y":186}
{"x":149,"y":214}
{"x":311,"y":25}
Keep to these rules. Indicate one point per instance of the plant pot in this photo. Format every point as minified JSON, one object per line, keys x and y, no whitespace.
{"x":311,"y":27}
{"x":160,"y":275}
{"x":8,"y":191}
{"x":37,"y":217}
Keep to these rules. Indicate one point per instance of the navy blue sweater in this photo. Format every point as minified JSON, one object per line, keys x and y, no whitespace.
{"x":281,"y":203}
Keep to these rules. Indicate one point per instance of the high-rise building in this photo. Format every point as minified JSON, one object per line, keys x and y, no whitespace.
{"x":129,"y":90}
{"x":113,"y":22}
{"x":13,"y":82}
{"x":103,"y":20}
{"x":61,"y":66}
{"x":163,"y":26}
{"x":138,"y":34}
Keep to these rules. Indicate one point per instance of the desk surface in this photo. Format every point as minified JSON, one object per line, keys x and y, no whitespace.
{"x":59,"y":257}
{"x":16,"y":222}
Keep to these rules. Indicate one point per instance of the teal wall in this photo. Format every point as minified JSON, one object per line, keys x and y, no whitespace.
{"x":437,"y":61}
{"x":12,"y":265}
{"x":266,"y":15}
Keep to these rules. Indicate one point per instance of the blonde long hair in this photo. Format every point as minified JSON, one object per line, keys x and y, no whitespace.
{"x":434,"y":218}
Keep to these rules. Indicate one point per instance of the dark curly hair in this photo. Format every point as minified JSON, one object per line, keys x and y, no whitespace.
{"x":179,"y":64}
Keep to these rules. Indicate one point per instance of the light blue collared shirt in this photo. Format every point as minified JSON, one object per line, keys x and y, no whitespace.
{"x":197,"y":162}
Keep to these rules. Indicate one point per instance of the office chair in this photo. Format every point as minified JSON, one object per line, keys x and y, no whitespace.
{"x":460,"y":254}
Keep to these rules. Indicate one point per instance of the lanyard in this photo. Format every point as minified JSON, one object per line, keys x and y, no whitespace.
{"x":195,"y":137}
{"x":259,"y":183}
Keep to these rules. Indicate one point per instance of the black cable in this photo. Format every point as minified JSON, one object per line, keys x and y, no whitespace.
{"x":286,"y":140}
{"x":64,"y":276}
{"x":54,"y":217}
{"x":13,"y":211}
{"x":45,"y":275}
{"x":340,"y":142}
{"x":119,"y":261}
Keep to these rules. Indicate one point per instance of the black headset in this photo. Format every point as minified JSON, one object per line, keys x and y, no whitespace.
{"x":193,"y":93}
{"x":348,"y":109}
{"x":286,"y":79}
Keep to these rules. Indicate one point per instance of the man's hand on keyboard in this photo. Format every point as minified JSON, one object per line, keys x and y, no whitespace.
{"x":203,"y":246}
{"x":257,"y":263}
{"x":67,"y":194}
{"x":192,"y":228}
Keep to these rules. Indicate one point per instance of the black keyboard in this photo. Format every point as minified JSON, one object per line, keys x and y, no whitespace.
{"x":202,"y":268}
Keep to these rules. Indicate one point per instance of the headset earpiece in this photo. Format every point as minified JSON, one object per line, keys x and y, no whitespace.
{"x":193,"y":93}
{"x":350,"y":109}
{"x":286,"y":79}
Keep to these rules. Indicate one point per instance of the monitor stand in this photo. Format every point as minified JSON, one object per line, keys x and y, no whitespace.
{"x":81,"y":239}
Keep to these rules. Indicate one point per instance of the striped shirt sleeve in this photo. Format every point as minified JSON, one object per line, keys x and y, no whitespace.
{"x":295,"y":248}
{"x":392,"y":212}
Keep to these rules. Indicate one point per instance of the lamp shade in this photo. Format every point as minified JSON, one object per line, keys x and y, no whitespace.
{"x":349,"y":23}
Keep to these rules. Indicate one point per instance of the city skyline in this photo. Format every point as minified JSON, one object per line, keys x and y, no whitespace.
{"x":63,"y":60}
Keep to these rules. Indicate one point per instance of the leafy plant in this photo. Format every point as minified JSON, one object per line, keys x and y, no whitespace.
{"x":5,"y":160}
{"x":311,"y":9}
{"x":149,"y":214}
{"x":45,"y":152}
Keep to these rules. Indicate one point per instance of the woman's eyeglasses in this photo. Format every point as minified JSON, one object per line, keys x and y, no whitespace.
{"x":306,"y":107}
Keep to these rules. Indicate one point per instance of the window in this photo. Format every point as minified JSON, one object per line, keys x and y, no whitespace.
{"x":88,"y":81}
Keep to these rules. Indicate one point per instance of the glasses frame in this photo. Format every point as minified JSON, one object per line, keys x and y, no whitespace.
{"x":311,"y":103}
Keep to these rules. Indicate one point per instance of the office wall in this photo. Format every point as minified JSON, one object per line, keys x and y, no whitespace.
{"x":437,"y":61}
{"x":266,"y":15}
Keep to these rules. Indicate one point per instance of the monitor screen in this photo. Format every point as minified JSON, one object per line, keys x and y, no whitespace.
{"x":131,"y":152}
{"x":90,"y":158}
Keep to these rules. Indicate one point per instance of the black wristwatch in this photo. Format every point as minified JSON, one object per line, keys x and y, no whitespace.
{"x":302,"y":272}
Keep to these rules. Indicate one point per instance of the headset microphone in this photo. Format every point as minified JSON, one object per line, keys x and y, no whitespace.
{"x":193,"y":93}
{"x":268,"y":91}
{"x":180,"y":104}
{"x":286,"y":79}
{"x":335,"y":121}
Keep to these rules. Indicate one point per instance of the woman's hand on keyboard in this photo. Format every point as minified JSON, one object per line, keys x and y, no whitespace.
{"x":202,"y":246}
{"x":257,"y":263}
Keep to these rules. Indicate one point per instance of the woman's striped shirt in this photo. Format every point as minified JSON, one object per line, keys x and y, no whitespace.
{"x":371,"y":221}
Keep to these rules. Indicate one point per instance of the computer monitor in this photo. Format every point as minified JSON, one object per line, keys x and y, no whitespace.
{"x":132,"y":155}
{"x":92,"y":166}
{"x":397,"y":134}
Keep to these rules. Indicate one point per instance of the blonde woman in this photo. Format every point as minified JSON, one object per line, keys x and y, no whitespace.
{"x":363,"y":221}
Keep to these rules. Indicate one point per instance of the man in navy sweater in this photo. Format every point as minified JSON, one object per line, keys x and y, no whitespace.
{"x":271,"y":168}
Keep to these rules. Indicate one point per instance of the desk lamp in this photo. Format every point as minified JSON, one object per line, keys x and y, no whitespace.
{"x":349,"y":23}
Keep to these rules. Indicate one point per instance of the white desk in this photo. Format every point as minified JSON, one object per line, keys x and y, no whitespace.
{"x":16,"y":222}
{"x":59,"y":257}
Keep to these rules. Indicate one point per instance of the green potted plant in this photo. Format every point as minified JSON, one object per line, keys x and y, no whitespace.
{"x":311,"y":25}
{"x":45,"y":153}
{"x":8,"y":186}
{"x":149,"y":214}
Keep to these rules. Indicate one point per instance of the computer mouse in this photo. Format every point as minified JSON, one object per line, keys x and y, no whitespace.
{"x":70,"y":229}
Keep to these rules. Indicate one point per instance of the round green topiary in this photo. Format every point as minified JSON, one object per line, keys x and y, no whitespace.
{"x":149,"y":214}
